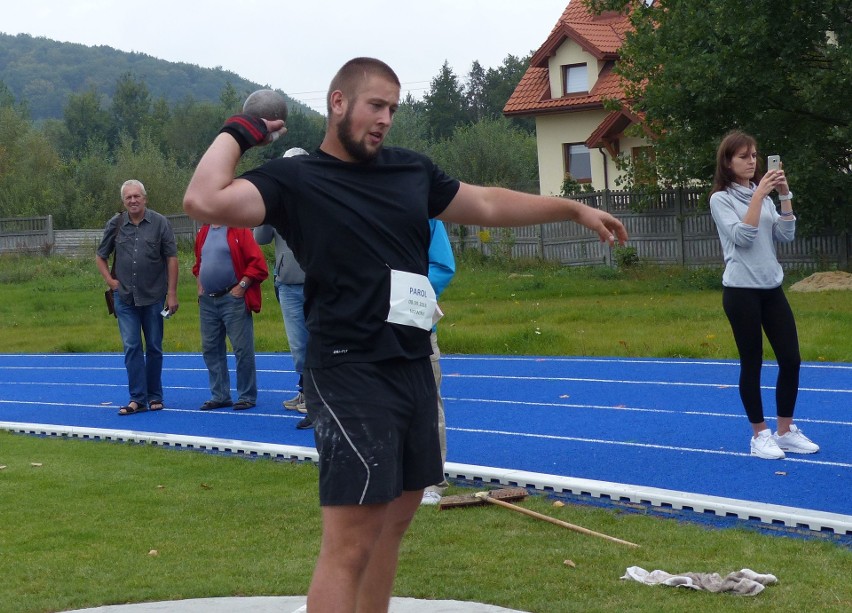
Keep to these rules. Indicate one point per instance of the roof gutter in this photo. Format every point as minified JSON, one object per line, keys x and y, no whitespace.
{"x":606,"y":171}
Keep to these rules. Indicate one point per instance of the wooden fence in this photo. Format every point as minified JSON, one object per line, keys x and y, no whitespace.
{"x":27,"y":235}
{"x":673,"y":227}
{"x":36,"y":235}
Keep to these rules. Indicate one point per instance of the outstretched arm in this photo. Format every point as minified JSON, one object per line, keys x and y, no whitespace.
{"x":497,"y":207}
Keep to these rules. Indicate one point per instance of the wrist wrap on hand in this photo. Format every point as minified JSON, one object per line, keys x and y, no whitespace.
{"x":247,"y":130}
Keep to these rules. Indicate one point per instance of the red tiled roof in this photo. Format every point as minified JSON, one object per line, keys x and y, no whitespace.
{"x":599,"y":35}
{"x":610,"y":129}
{"x":532,"y":95}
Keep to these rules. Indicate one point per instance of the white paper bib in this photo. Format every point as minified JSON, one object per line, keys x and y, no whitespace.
{"x":412,"y":301}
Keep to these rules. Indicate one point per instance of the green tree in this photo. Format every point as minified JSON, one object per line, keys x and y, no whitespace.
{"x":7,"y":98}
{"x":84,"y":121}
{"x":158,"y":121}
{"x":93,"y":189}
{"x":782,"y":72}
{"x":30,"y":169}
{"x":490,"y":152}
{"x":230,"y":100}
{"x":131,"y":105}
{"x":500,"y":82}
{"x":191,"y":127}
{"x":444,"y":104}
{"x":410,"y":127}
{"x":475,"y":93}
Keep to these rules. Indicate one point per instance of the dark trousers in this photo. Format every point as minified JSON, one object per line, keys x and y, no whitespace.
{"x":752,"y":312}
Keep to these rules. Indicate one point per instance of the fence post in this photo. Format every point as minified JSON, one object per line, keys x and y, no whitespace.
{"x":50,"y":247}
{"x":540,"y":244}
{"x":606,"y":206}
{"x":679,"y":223}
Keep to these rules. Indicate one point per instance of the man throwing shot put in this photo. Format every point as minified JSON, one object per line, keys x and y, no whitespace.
{"x":357,"y":218}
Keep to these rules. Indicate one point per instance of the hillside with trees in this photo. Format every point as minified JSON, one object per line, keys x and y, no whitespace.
{"x":70,"y":161}
{"x":46,"y":73}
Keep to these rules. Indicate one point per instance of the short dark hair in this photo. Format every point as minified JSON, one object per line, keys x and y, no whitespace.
{"x":354,"y":71}
{"x":731,"y":143}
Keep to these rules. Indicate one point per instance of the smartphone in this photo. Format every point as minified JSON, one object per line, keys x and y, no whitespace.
{"x":773,"y":162}
{"x":165,"y":313}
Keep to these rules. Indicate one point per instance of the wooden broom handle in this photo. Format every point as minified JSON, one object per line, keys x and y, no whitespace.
{"x":552,"y":520}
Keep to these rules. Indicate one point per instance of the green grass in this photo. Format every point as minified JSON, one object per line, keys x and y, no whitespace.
{"x":77,"y":531}
{"x":521,"y":308}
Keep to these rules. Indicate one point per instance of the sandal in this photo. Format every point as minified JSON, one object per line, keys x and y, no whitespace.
{"x":131,"y":408}
{"x":156,"y":405}
{"x":211,"y":405}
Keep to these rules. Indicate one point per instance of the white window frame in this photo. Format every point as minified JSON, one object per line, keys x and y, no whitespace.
{"x":575,"y":79}
{"x":571,"y":151}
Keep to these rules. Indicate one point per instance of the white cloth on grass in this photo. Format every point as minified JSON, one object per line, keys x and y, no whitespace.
{"x":744,"y":582}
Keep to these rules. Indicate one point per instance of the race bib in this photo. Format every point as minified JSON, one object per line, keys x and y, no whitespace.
{"x":412,"y":301}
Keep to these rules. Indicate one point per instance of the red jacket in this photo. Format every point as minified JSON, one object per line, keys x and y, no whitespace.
{"x":247,"y":257}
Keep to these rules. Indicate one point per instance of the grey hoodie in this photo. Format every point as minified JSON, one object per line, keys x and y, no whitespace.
{"x":749,"y":252}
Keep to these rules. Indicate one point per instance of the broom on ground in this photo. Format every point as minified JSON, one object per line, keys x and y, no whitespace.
{"x":500,"y":497}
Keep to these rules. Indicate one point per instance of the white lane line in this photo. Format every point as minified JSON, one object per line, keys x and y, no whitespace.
{"x":447,"y":375}
{"x":573,"y":360}
{"x":628,"y":409}
{"x":640,"y":445}
{"x":520,"y":403}
{"x":460,"y":376}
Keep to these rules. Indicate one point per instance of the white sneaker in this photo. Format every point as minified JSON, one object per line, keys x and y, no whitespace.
{"x":795,"y":441}
{"x":430,"y":498}
{"x":294,"y":402}
{"x":764,"y":446}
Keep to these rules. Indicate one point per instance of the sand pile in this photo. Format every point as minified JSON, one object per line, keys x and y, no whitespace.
{"x":824,"y":281}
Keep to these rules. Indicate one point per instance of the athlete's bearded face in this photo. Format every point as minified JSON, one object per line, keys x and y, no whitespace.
{"x":368,"y":118}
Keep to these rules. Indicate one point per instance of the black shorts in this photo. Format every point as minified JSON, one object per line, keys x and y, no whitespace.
{"x":376,"y":429}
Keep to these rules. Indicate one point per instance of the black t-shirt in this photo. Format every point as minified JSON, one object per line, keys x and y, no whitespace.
{"x":349,"y":224}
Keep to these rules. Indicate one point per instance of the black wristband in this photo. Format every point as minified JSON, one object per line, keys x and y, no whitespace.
{"x":247,"y":130}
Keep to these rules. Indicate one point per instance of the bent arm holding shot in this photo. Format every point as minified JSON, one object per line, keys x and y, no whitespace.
{"x":214,"y":196}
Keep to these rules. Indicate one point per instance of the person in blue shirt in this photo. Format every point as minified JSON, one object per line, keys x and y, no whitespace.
{"x":442,"y":267}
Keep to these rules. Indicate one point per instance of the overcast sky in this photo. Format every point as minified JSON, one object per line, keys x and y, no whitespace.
{"x":298,"y":46}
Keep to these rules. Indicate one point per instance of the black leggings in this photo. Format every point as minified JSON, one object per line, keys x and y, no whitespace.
{"x":749,"y":310}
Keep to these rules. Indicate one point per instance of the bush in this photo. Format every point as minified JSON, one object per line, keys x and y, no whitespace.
{"x":626,"y":257}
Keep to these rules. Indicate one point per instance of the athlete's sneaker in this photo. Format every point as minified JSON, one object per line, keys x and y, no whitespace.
{"x":294,"y":402}
{"x":764,"y":446}
{"x":795,"y":441}
{"x":430,"y":498}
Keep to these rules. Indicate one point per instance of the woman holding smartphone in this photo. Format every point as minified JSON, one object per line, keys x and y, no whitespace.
{"x":749,"y":226}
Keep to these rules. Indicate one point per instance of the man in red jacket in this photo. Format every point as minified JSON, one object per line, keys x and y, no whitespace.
{"x":230,"y":267}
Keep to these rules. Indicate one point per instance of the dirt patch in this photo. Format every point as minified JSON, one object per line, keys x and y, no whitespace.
{"x":824,"y":281}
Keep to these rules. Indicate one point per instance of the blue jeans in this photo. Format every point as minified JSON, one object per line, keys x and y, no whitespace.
{"x":227,"y":315}
{"x":291,"y":297}
{"x":144,"y":367}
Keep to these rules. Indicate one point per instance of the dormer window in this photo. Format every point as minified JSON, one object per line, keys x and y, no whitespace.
{"x":575,"y":79}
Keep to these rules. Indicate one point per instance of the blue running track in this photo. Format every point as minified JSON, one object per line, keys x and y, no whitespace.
{"x":671,"y":433}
